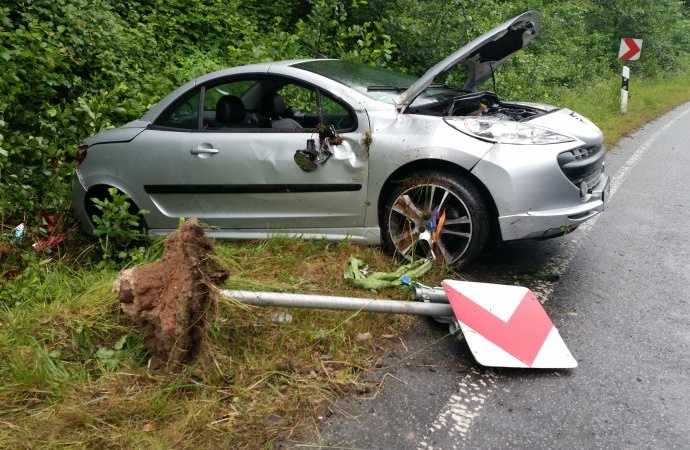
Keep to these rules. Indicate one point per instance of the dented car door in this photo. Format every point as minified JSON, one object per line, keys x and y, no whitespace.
{"x":245,"y":180}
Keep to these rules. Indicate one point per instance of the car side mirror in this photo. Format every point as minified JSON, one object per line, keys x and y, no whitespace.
{"x":306,"y":159}
{"x":327,"y":133}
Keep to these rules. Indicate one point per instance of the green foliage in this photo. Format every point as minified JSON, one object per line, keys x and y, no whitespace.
{"x":282,"y":13}
{"x":426,"y":32}
{"x":329,"y":32}
{"x":32,"y":269}
{"x":567,"y":54}
{"x":40,"y":371}
{"x":129,"y":346}
{"x":54,"y":54}
{"x":75,"y":67}
{"x":663,"y":26}
{"x":118,"y":227}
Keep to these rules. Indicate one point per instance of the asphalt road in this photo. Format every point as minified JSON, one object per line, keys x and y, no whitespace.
{"x":617,"y":290}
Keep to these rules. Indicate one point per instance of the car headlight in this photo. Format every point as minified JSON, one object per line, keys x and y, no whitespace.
{"x":509,"y":132}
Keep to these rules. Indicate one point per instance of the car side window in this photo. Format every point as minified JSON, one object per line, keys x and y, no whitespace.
{"x":334,"y":113}
{"x":260,"y":104}
{"x":183,"y":114}
{"x":312,"y":108}
{"x":224,"y":106}
{"x":215,"y":92}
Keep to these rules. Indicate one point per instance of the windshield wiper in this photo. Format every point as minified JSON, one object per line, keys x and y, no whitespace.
{"x":446,"y":86}
{"x":386,"y":87}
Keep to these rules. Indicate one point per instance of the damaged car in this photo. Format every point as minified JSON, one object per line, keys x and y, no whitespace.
{"x":429,"y":167}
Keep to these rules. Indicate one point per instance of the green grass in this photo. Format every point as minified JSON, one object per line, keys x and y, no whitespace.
{"x":73,"y":371}
{"x":67,"y":381}
{"x":647,"y":99}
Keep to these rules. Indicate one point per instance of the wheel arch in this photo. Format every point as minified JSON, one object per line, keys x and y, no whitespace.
{"x":100,"y":191}
{"x":452,"y":169}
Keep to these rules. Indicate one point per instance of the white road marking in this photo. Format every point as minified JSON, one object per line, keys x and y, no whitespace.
{"x":463,"y":408}
{"x":617,"y":181}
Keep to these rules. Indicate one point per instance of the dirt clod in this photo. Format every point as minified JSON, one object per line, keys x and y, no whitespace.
{"x":167,"y":299}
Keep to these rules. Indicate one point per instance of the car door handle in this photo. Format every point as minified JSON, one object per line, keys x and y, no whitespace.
{"x":204,"y":151}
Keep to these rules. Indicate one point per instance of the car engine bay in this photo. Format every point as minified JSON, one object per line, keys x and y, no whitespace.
{"x":483,"y":103}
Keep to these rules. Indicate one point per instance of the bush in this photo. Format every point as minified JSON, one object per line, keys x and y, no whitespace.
{"x":75,"y":67}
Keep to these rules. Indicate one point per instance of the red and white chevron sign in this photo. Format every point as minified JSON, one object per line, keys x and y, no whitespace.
{"x":506,"y":326}
{"x":630,"y":49}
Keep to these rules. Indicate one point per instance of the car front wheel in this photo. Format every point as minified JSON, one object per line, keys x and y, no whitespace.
{"x":435,"y":215}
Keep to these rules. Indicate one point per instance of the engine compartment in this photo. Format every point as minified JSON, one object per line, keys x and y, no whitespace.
{"x":483,"y":103}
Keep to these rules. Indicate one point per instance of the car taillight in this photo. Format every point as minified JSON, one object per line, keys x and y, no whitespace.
{"x":81,"y":153}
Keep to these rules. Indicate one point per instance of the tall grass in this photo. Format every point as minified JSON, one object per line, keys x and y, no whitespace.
{"x":73,"y":374}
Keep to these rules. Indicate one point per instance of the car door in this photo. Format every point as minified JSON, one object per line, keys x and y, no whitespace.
{"x":243,"y":175}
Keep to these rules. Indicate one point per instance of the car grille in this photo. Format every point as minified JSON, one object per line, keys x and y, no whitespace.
{"x":583,"y":164}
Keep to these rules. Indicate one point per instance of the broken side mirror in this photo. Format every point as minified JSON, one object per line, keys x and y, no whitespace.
{"x":310,"y":158}
{"x":306,"y":159}
{"x":327,"y":133}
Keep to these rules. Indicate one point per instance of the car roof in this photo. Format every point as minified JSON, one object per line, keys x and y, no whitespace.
{"x":273,"y":67}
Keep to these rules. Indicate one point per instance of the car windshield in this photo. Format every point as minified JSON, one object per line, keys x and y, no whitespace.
{"x":377,"y":83}
{"x":374,"y":82}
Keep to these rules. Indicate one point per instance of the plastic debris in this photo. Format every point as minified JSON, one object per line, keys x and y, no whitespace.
{"x":363,"y":336}
{"x":51,"y":220}
{"x":19,"y":232}
{"x":50,"y":240}
{"x":49,"y":243}
{"x":281,"y":317}
{"x":356,"y":274}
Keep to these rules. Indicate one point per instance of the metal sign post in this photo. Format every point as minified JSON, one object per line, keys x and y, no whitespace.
{"x":630,"y":50}
{"x":624,"y":89}
{"x":504,"y":325}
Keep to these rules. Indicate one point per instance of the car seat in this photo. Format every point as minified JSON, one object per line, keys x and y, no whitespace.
{"x":230,"y":112}
{"x":273,"y":107}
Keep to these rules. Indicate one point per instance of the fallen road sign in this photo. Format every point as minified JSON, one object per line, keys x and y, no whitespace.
{"x":506,"y":326}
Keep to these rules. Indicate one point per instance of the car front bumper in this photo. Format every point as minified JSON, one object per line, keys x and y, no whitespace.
{"x":556,"y":222}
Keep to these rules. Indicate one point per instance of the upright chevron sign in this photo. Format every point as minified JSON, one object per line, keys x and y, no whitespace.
{"x":506,"y":326}
{"x":630,"y":49}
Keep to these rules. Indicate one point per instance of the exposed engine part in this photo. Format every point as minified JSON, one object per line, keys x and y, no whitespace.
{"x":483,"y":103}
{"x":509,"y":111}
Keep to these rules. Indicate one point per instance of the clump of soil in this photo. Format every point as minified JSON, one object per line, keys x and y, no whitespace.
{"x":167,"y":299}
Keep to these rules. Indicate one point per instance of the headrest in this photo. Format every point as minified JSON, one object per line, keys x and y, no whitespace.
{"x":230,"y":109}
{"x":273,"y":106}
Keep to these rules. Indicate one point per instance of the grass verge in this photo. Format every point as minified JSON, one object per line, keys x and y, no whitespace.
{"x":75,"y":374}
{"x":647,"y":100}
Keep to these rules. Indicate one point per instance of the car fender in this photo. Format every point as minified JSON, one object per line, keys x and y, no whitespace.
{"x":404,"y":142}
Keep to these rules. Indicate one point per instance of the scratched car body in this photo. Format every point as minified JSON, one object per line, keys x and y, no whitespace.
{"x":428,"y":167}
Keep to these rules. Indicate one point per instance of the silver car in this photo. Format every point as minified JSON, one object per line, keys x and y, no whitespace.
{"x":323,"y":148}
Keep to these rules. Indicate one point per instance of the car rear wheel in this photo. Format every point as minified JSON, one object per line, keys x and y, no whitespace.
{"x":435,"y":215}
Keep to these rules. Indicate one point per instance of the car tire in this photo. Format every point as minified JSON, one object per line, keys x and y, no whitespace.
{"x":436,"y":215}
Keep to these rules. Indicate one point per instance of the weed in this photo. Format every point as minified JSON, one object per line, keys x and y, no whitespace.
{"x":118,"y":228}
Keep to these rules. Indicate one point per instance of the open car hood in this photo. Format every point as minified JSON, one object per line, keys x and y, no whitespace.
{"x":482,"y":56}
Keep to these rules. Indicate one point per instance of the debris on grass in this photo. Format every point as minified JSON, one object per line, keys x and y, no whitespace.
{"x":49,"y":243}
{"x":356,"y":273}
{"x":19,"y":232}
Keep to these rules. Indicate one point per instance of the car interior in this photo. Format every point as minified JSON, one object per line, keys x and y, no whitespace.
{"x":265,"y":105}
